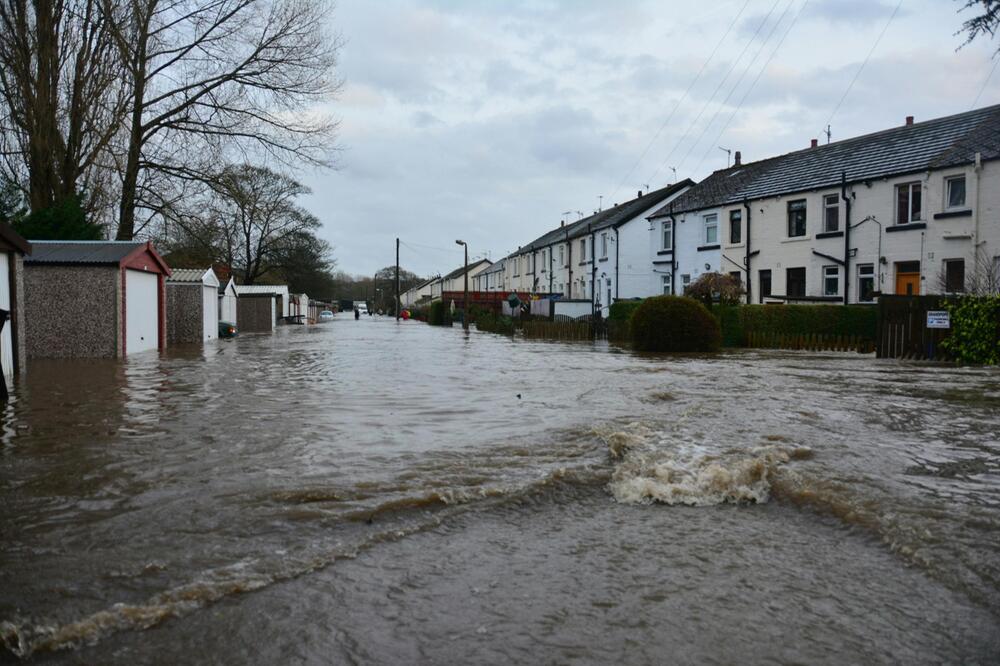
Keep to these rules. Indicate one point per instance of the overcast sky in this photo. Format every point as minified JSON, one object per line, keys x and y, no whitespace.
{"x":488,"y":120}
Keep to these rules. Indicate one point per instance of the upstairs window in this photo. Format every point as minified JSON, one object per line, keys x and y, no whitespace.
{"x":711,"y":229}
{"x":604,"y":246}
{"x":735,"y":227}
{"x":545,"y":259}
{"x":583,"y":250}
{"x":831,"y":212}
{"x":562,"y":255}
{"x":667,"y":235}
{"x":797,"y":218}
{"x":908,"y":203}
{"x":955,"y":192}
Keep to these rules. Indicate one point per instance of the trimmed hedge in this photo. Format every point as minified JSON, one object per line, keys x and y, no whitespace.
{"x":674,"y":324}
{"x":794,"y":320}
{"x":622,"y":310}
{"x":439,"y":315}
{"x":490,"y":323}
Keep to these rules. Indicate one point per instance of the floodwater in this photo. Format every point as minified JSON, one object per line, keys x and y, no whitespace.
{"x":381,"y":492}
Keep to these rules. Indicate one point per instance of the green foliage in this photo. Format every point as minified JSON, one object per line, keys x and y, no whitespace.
{"x":622,"y":310}
{"x":64,"y":221}
{"x":730,"y":320}
{"x":975,"y":330}
{"x":716,"y":288}
{"x":492,"y":323}
{"x":845,"y":320}
{"x":439,"y":315}
{"x":674,"y":324}
{"x":12,"y":208}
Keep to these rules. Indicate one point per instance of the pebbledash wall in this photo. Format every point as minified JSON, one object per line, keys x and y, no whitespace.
{"x":78,"y":325}
{"x":184,"y":309}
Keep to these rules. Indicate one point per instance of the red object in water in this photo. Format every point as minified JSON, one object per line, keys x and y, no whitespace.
{"x":405,"y":314}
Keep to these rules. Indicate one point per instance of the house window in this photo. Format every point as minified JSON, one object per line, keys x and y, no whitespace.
{"x":545,"y":259}
{"x":735,"y":226}
{"x":604,"y":246}
{"x":711,"y":229}
{"x":866,"y":283}
{"x":908,"y":203}
{"x":668,"y":234}
{"x":737,"y":276}
{"x":797,"y":218}
{"x":954,"y":275}
{"x":668,"y":283}
{"x":764,"y":277}
{"x":795,"y":282}
{"x":831,"y":280}
{"x":562,"y":256}
{"x":831,"y":212}
{"x":685,"y":281}
{"x":583,"y":250}
{"x":955,"y":192}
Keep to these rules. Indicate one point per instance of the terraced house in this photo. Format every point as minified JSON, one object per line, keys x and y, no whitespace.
{"x":909,"y":210}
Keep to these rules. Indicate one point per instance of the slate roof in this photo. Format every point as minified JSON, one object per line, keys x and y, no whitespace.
{"x":461,"y":269}
{"x":934,"y":144}
{"x":614,"y":216}
{"x":81,"y":252}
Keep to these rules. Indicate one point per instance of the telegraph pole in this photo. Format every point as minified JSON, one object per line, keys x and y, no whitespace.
{"x":397,"y":279}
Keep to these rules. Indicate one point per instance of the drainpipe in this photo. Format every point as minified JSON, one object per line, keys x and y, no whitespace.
{"x":746,"y":258}
{"x":616,"y":263}
{"x":551,"y":275}
{"x":847,"y":235}
{"x":673,"y":251}
{"x":978,"y":168}
{"x":593,"y":274}
{"x":569,"y":263}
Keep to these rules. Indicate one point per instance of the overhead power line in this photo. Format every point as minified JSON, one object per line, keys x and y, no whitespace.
{"x":704,"y":107}
{"x":677,"y":104}
{"x":996,"y":61}
{"x":864,"y":62}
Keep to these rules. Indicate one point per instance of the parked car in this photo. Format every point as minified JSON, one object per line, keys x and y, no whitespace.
{"x":227,"y":329}
{"x":326,"y":315}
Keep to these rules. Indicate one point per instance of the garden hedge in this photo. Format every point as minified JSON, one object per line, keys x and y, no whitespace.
{"x":674,"y":324}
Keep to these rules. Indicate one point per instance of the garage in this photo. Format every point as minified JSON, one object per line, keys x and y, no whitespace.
{"x":13,"y":248}
{"x":192,"y":306}
{"x":141,"y":322}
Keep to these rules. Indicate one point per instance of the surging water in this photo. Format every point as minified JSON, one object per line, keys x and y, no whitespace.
{"x":384,"y":492}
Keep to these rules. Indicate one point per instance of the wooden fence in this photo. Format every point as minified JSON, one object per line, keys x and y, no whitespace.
{"x":902,"y":328}
{"x":811,"y":342}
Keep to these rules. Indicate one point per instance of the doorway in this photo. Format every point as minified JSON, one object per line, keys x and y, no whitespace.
{"x":908,"y":278}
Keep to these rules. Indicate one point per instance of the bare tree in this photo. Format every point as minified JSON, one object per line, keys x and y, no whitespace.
{"x":984,"y":280}
{"x":61,"y":99}
{"x":985,"y":23}
{"x":716,"y":288}
{"x":217,"y":79}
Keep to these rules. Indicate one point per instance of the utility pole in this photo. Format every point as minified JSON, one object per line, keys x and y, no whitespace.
{"x":465,"y":301}
{"x":397,"y":279}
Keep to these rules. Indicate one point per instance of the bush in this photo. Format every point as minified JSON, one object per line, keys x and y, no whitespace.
{"x":622,"y":310}
{"x":975,"y":330}
{"x":491,"y":323}
{"x":439,"y":315}
{"x":844,"y":320}
{"x":674,"y":324}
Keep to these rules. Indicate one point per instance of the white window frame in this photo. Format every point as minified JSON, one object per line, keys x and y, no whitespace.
{"x":737,"y":215}
{"x":947,"y":192}
{"x":866,"y":271}
{"x":604,"y":245}
{"x":667,"y":235}
{"x":909,"y":199}
{"x":826,"y":211}
{"x":667,"y":284}
{"x":788,"y":218}
{"x":828,"y":273}
{"x":710,"y":222}
{"x":583,"y":250}
{"x":562,"y":256}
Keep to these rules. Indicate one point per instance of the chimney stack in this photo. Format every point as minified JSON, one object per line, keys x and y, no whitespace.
{"x":909,"y":120}
{"x":562,"y":223}
{"x":639,"y":195}
{"x":814,"y":143}
{"x":738,"y":160}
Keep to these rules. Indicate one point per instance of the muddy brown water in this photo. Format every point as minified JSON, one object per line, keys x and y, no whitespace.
{"x":374,"y":492}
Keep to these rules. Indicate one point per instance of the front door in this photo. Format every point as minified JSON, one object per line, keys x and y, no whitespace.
{"x":907,"y":284}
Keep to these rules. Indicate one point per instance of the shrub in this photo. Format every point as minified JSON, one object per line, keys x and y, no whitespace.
{"x":975,"y":330}
{"x":439,"y":315}
{"x":716,"y":288}
{"x":622,"y":310}
{"x":674,"y":324}
{"x":492,"y":323}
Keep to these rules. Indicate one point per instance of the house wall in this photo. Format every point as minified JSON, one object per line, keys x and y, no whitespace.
{"x":255,"y":314}
{"x":931,"y":244}
{"x":693,"y":260}
{"x":185,"y":319}
{"x":72,"y":311}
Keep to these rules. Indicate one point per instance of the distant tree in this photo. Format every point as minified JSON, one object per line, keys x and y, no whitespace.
{"x":984,"y":23}
{"x":64,"y":221}
{"x":12,"y":206}
{"x":305,"y":263}
{"x":716,"y":288}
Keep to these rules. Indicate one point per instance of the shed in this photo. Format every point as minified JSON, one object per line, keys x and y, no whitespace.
{"x":13,"y":248}
{"x":94,"y":299}
{"x":300,"y":308}
{"x":227,"y":302}
{"x":192,"y":306}
{"x":277,"y":292}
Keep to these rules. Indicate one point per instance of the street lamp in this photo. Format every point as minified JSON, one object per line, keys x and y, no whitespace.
{"x":465,"y":304}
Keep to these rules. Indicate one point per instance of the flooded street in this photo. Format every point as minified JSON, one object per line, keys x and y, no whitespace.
{"x":381,"y":492}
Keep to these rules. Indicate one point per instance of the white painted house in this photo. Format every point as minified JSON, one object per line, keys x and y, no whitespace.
{"x":455,"y":280}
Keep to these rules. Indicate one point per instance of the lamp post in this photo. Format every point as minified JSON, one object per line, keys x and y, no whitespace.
{"x":465,"y":302}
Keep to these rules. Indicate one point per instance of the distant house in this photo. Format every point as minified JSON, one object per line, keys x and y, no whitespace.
{"x":192,"y":306}
{"x":13,"y":248}
{"x":417,"y":294}
{"x":227,"y":302}
{"x":94,"y":299}
{"x":455,"y":280}
{"x":299,"y":308}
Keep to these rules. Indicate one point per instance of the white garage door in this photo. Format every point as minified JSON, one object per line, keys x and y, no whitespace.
{"x":6,"y":340}
{"x":141,"y":312}
{"x":210,"y":312}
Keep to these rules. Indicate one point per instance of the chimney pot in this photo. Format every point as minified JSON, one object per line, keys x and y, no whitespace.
{"x":639,"y":195}
{"x":738,"y":159}
{"x":909,"y":120}
{"x":562,"y":223}
{"x":814,"y":143}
